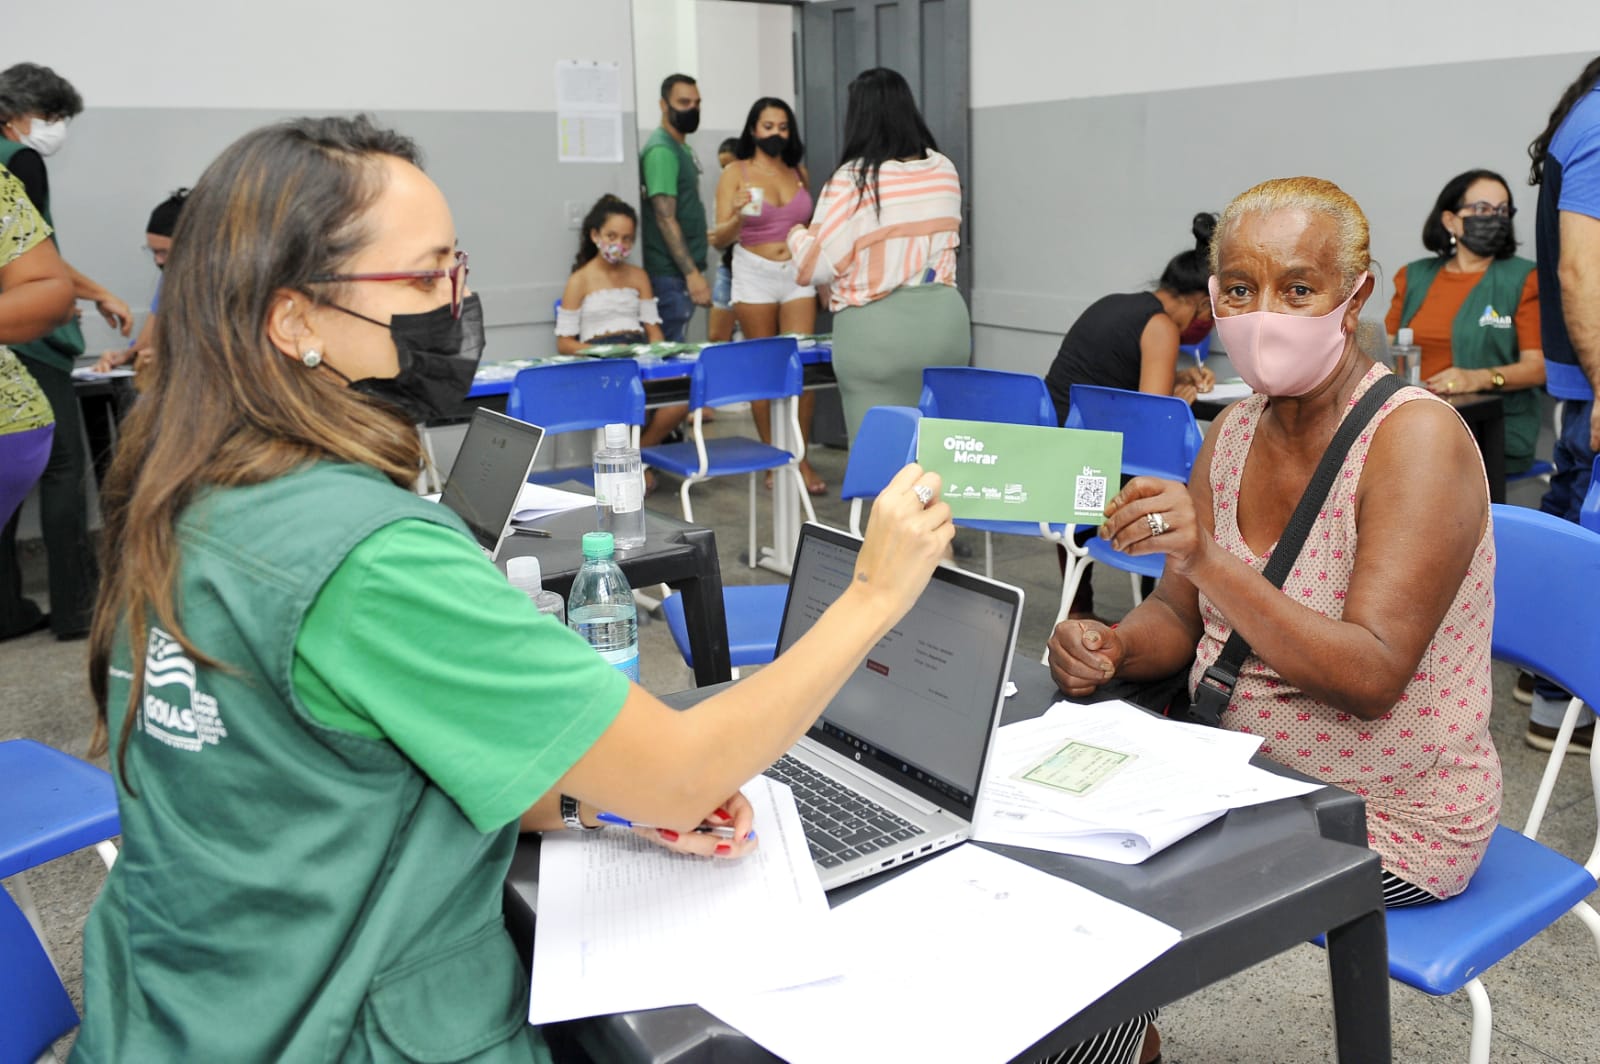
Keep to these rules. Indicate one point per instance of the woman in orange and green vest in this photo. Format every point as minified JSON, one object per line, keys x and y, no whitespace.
{"x":1473,"y":306}
{"x":329,"y":715}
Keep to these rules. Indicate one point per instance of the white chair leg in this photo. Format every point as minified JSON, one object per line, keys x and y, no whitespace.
{"x":1552,"y":769}
{"x":988,"y":555}
{"x":1076,"y":571}
{"x":1138,"y":588}
{"x":855,"y":517}
{"x":683,"y":499}
{"x":750,"y":517}
{"x":1482,"y":1023}
{"x":1590,"y":918}
{"x":805,"y":495}
{"x":107,"y":852}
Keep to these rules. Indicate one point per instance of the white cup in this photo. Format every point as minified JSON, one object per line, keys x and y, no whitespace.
{"x":753,"y":208}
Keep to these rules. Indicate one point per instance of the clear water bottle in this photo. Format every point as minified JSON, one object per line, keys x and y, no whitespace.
{"x":525,"y":576}
{"x":601,"y":607}
{"x":619,"y":489}
{"x":1407,"y":357}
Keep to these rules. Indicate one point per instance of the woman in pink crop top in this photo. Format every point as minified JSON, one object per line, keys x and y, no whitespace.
{"x":760,"y":197}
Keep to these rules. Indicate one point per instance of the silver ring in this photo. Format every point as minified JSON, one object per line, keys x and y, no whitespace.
{"x":1157,"y":522}
{"x":923,"y":493}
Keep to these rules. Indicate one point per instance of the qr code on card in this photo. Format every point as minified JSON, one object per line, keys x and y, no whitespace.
{"x":1089,"y":493}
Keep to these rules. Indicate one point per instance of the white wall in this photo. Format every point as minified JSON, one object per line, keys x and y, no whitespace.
{"x":316,"y":55}
{"x":1026,"y":51}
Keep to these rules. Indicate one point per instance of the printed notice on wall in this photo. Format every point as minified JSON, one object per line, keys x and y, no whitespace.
{"x":588,"y":111}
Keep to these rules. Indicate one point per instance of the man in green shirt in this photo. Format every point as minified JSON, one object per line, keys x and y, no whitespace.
{"x":674,"y":217}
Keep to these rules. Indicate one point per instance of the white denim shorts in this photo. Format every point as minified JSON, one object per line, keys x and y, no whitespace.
{"x":759,"y":280}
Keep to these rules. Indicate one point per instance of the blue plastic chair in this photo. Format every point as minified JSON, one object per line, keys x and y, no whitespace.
{"x":886,"y":441}
{"x":35,"y":1009}
{"x":51,"y":804}
{"x":1159,"y":439}
{"x":1547,"y":620}
{"x":577,"y":396}
{"x":1197,"y":351}
{"x":738,"y":373}
{"x":972,"y":394}
{"x":1589,"y":513}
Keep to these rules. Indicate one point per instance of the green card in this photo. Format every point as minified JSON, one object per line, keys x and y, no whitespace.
{"x":997,"y":472}
{"x":1076,"y":768}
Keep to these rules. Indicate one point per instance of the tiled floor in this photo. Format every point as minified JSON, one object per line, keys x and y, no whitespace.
{"x":1277,"y":1012}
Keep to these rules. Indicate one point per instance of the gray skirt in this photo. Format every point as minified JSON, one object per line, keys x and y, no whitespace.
{"x":881,"y":349}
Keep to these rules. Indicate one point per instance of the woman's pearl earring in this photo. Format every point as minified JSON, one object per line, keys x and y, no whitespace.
{"x":312,"y":358}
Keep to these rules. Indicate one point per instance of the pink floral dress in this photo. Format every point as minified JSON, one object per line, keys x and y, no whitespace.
{"x":1427,"y":768}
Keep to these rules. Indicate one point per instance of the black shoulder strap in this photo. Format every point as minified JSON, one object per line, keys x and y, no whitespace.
{"x":1215,"y":689}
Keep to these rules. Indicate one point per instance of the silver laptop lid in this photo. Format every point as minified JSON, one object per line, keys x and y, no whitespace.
{"x":496,"y":456}
{"x":921,"y":710}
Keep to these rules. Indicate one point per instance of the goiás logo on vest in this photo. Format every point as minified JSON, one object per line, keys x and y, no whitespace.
{"x":1490,"y":320}
{"x":173,"y":710}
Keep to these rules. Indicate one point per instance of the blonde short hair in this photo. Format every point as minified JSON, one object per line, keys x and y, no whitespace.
{"x":1314,"y":196}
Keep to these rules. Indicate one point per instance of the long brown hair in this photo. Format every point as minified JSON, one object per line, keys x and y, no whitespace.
{"x":279,"y":206}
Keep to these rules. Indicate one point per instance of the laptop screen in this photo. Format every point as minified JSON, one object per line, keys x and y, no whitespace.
{"x":922,"y":706}
{"x":490,"y":469}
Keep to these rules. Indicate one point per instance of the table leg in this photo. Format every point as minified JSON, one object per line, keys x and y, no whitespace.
{"x":1358,"y":969}
{"x":703,"y":611}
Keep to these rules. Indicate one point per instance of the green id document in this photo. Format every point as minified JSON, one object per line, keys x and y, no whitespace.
{"x":997,"y":472}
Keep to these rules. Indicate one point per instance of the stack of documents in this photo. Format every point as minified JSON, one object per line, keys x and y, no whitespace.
{"x":1114,"y":782}
{"x":624,"y":924}
{"x":968,"y":956}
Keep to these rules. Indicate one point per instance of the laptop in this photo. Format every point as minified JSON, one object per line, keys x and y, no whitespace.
{"x":891,"y":770}
{"x":491,"y":467}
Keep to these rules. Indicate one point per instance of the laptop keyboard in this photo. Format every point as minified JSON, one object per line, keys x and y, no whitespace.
{"x":840,"y":824}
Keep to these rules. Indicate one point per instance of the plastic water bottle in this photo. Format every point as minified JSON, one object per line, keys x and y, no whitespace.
{"x":525,"y":576}
{"x":601,"y":607}
{"x":1407,"y":357}
{"x":619,"y":489}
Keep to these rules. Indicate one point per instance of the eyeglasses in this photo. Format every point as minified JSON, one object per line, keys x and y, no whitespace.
{"x":1483,"y":207}
{"x":456,"y":273}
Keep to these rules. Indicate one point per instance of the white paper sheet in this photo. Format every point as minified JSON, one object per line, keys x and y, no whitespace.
{"x":1226,"y":391}
{"x":624,"y":924}
{"x":1179,"y":778}
{"x":588,"y":111}
{"x":968,"y":956}
{"x":89,"y":373}
{"x":536,"y":500}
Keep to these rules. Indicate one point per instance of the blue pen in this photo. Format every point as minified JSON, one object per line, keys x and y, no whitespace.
{"x":624,"y":822}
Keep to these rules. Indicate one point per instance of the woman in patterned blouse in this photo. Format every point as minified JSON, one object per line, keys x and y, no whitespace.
{"x":1370,"y":668}
{"x":35,"y":297}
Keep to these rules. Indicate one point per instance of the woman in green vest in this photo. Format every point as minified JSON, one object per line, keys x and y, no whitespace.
{"x":1473,"y":306}
{"x":329,"y":714}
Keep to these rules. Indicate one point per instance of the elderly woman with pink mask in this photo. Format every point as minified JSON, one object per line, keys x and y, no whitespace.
{"x":1406,"y":726}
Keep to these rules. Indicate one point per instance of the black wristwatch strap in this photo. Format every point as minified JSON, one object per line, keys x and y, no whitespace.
{"x":1215,"y":689}
{"x":570,"y":817}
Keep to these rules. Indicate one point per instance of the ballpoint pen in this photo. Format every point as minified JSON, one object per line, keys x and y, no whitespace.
{"x":624,"y":822}
{"x":524,"y":530}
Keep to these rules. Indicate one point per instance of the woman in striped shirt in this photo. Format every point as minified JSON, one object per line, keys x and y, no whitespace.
{"x":884,"y":239}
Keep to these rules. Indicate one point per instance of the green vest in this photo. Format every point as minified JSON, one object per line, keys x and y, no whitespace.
{"x":288,"y":891}
{"x":59,"y":347}
{"x":691,"y":213}
{"x":1484,"y":336}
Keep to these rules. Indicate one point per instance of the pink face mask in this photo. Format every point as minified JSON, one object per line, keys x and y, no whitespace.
{"x":614,"y":253}
{"x":1283,"y":354}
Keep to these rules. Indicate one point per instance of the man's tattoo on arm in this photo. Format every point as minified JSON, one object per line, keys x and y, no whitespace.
{"x":666,"y":208}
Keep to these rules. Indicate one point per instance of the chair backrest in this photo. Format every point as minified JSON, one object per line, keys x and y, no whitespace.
{"x":1159,"y":435}
{"x":1589,"y":515}
{"x":1546,"y":611}
{"x":768,"y":368}
{"x":1197,"y":351}
{"x":973,"y":394}
{"x":35,"y":1009}
{"x":886,"y":441}
{"x":578,"y":395}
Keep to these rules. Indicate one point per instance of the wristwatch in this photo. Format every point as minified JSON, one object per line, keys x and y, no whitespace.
{"x":570,"y":817}
{"x":1497,"y":379}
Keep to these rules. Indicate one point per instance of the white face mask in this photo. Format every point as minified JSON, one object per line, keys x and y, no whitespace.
{"x":44,"y":137}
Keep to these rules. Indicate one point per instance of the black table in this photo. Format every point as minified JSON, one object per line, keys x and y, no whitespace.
{"x":103,"y":402}
{"x":1484,"y":413}
{"x":675,"y":553}
{"x":1242,"y":889}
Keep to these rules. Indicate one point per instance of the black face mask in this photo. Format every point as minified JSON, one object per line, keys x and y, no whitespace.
{"x":1485,"y":234}
{"x":438,"y":356}
{"x":686,"y":121}
{"x":773,"y":145}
